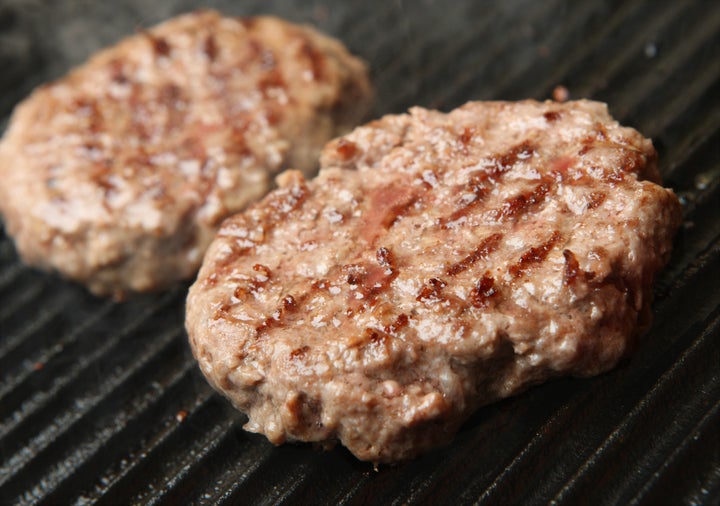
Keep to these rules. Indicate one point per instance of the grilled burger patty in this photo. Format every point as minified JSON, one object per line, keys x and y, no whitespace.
{"x":119,"y":174}
{"x":438,"y":262}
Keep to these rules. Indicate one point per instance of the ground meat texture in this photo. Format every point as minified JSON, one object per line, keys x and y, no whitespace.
{"x":437,"y":263}
{"x":119,"y":174}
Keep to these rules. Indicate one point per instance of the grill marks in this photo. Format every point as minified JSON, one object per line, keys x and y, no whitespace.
{"x":367,"y":283}
{"x":479,"y":186}
{"x":572,"y":272}
{"x":486,"y":246}
{"x":572,"y":268}
{"x":481,"y":182}
{"x":264,"y":274}
{"x":376,"y":341}
{"x":534,"y":256}
{"x":355,"y":293}
{"x":505,"y":162}
{"x":386,"y":205}
{"x":552,"y":116}
{"x":522,"y":203}
{"x":486,"y":288}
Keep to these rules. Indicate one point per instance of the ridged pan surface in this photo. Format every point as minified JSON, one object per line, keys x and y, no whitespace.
{"x":101,"y":402}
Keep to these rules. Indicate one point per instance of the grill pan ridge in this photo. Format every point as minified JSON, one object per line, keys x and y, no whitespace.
{"x":101,"y":402}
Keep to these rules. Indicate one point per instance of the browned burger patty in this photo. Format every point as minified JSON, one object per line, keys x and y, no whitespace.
{"x":119,"y":174}
{"x":438,"y":262}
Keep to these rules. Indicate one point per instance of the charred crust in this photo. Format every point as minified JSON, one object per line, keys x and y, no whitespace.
{"x":534,"y":256}
{"x":572,"y":272}
{"x":319,"y":284}
{"x":481,"y":182}
{"x":552,"y":116}
{"x":431,"y":290}
{"x":374,"y":336}
{"x":386,"y":258}
{"x":289,"y":303}
{"x":483,"y":291}
{"x":467,"y":135}
{"x":304,"y":412}
{"x":595,"y":199}
{"x":346,"y":150}
{"x":210,"y":47}
{"x":355,"y":273}
{"x":572,"y":268}
{"x":522,"y":151}
{"x":485,"y":248}
{"x":299,"y":353}
{"x":400,"y":323}
{"x":478,"y":186}
{"x":520,"y":204}
{"x":615,"y":177}
{"x":160,"y":46}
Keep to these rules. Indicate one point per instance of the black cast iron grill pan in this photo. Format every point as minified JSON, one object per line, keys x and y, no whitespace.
{"x":101,"y":402}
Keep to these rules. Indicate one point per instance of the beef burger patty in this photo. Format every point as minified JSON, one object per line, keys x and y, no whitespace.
{"x":437,"y":263}
{"x":119,"y":174}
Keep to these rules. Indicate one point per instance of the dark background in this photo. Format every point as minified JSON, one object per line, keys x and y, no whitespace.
{"x":101,"y":401}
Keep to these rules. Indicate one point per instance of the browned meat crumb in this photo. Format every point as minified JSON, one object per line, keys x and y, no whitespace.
{"x":560,"y":94}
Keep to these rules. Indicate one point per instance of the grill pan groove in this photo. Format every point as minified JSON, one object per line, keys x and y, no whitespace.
{"x":71,"y":446}
{"x":67,"y":415}
{"x":616,"y":53}
{"x":698,"y":356}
